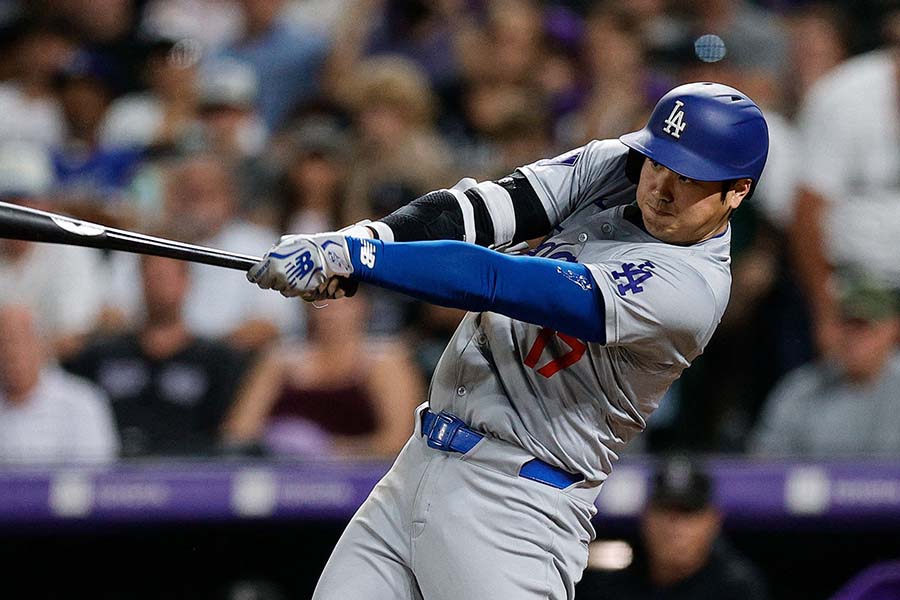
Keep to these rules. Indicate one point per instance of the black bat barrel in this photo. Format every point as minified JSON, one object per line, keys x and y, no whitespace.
{"x":21,"y":223}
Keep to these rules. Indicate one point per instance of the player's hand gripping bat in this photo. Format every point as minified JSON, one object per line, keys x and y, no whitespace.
{"x":21,"y":223}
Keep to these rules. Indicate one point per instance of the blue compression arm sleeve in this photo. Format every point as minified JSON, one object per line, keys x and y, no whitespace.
{"x":542,"y":291}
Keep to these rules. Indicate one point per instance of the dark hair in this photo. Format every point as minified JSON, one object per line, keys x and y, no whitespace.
{"x":727,"y":185}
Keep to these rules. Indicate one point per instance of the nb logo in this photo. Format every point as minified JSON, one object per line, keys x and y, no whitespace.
{"x":367,"y":253}
{"x":675,"y":123}
{"x":299,"y":267}
{"x":634,"y":275}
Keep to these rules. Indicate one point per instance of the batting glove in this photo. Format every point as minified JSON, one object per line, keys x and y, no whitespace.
{"x":299,"y":265}
{"x":339,"y":287}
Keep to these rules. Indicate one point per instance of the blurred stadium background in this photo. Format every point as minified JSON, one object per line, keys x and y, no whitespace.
{"x":169,"y":431}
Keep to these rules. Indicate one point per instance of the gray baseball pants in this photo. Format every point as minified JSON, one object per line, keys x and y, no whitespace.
{"x":444,"y":526}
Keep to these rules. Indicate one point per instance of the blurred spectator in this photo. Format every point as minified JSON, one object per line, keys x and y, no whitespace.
{"x":614,"y":54}
{"x":201,"y":208}
{"x":846,"y":403}
{"x":316,"y":15}
{"x":62,"y":284}
{"x":513,"y":39}
{"x":29,"y":109}
{"x":233,"y":130}
{"x":169,"y":389}
{"x":393,"y":110}
{"x":511,"y":126}
{"x":505,"y":97}
{"x":228,"y":91}
{"x":818,"y":43}
{"x":313,"y":182}
{"x":107,"y":29}
{"x":288,"y":61}
{"x":848,"y":208}
{"x":685,"y":557}
{"x":46,"y":415}
{"x":163,"y":114}
{"x":756,"y":46}
{"x":85,"y":170}
{"x":339,"y":391}
{"x":211,"y":24}
{"x":434,"y":34}
{"x":559,"y":76}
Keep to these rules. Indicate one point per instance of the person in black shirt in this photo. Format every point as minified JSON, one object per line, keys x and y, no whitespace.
{"x":684,"y":556}
{"x":169,"y":389}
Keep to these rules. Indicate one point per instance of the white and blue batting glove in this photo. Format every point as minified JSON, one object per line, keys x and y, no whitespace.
{"x":299,"y":265}
{"x":339,"y":287}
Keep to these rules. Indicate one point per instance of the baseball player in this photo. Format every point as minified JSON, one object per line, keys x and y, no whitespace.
{"x":563,"y":357}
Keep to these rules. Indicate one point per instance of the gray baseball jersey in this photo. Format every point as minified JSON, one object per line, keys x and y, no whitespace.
{"x":444,"y":525}
{"x":572,"y":404}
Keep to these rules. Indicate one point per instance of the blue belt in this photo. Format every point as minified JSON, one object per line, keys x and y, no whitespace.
{"x":448,"y":433}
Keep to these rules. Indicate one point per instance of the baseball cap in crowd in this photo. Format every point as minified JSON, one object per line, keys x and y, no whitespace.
{"x":681,"y":484}
{"x":320,"y":136}
{"x":228,"y":83}
{"x":863,"y":298}
{"x":26,"y":170}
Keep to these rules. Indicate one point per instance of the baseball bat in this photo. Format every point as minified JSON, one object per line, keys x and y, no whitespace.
{"x":29,"y":224}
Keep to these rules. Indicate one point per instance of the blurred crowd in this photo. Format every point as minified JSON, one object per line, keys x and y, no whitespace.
{"x":227,"y":123}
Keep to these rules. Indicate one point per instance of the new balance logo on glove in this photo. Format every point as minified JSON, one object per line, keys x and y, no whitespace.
{"x":367,"y":253}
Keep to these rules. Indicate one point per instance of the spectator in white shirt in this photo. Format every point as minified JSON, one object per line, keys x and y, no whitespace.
{"x":848,"y":206}
{"x":47,"y":415}
{"x":29,"y":109}
{"x":60,"y":283}
{"x":165,"y":113}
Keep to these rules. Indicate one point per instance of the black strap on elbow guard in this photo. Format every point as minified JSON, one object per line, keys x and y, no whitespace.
{"x":531,"y":217}
{"x":437,"y":216}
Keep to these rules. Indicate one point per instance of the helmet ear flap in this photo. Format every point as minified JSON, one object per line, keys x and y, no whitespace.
{"x":633,"y":164}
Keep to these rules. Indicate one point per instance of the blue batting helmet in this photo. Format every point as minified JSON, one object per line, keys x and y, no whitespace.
{"x":704,"y":131}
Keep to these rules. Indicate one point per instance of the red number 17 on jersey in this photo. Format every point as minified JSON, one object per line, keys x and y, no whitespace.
{"x":576,"y":351}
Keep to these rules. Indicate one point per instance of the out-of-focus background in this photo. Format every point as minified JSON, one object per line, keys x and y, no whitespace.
{"x":169,"y":431}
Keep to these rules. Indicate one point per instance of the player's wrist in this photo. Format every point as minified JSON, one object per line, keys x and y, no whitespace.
{"x":371,"y":230}
{"x":358,"y":230}
{"x":382,"y":231}
{"x":364,"y":254}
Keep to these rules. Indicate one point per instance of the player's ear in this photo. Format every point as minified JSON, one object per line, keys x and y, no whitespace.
{"x":739,"y":191}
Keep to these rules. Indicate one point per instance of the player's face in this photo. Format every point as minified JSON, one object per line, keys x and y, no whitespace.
{"x":679,"y":210}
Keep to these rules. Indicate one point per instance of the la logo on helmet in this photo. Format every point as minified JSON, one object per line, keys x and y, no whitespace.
{"x":675,"y":123}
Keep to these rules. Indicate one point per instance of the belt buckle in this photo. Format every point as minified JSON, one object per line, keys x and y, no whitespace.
{"x":442,"y":430}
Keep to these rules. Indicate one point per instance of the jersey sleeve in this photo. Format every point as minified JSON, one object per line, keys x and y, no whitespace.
{"x":662,"y":309}
{"x":591,"y":173}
